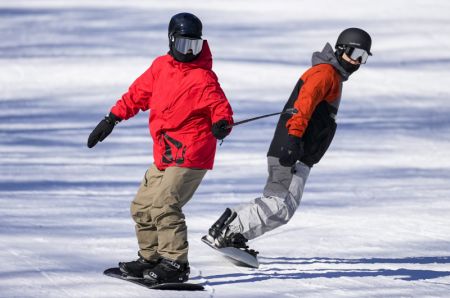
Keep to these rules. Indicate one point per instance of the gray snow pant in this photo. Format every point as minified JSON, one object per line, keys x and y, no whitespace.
{"x":280,"y":200}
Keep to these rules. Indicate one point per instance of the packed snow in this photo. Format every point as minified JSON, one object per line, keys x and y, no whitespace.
{"x":374,"y":220}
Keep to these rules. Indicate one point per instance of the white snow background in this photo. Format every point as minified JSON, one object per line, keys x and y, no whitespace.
{"x":375,"y":216}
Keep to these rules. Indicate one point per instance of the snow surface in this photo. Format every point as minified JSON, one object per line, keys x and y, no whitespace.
{"x":374,"y":220}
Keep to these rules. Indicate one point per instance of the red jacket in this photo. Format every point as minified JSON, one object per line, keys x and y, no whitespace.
{"x":320,"y":82}
{"x":184,"y":100}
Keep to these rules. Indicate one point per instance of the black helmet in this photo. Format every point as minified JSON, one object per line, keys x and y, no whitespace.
{"x":356,"y":38}
{"x":185,"y":24}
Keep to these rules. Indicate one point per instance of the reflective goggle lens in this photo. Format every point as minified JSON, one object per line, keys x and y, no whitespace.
{"x":183,"y":45}
{"x":357,"y":54}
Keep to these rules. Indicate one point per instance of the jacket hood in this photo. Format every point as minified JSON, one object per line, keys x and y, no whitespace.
{"x":327,"y":56}
{"x":204,"y":60}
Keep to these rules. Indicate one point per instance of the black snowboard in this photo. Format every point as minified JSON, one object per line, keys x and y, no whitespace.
{"x":180,"y":286}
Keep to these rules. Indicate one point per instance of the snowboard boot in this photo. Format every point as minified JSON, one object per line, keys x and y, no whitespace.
{"x":135,"y":269}
{"x":220,"y":235}
{"x":167,"y":271}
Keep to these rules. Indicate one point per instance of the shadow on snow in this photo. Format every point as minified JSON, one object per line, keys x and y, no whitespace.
{"x":274,"y":273}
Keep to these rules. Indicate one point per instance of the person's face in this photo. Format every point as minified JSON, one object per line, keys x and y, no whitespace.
{"x":350,"y":60}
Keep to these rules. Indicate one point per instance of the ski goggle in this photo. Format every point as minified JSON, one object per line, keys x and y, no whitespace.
{"x":357,"y":54}
{"x":184,"y":44}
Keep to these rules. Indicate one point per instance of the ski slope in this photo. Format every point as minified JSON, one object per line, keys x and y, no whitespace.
{"x":374,"y":220}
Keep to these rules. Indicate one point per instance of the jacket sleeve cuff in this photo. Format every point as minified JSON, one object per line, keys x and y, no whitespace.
{"x":116,"y":111}
{"x":295,"y":132}
{"x":114,"y":117}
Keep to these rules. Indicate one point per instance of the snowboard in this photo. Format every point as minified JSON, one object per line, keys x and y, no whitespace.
{"x":179,"y":286}
{"x":238,"y":256}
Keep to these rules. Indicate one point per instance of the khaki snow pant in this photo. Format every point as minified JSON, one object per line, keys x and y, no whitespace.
{"x":160,"y":223}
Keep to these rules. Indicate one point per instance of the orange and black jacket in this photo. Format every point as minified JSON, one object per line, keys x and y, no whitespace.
{"x":316,"y":96}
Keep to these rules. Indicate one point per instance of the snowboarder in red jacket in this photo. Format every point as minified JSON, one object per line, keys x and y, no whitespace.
{"x":188,"y":113}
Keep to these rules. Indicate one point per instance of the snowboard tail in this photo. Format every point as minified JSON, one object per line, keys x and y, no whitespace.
{"x":179,"y":286}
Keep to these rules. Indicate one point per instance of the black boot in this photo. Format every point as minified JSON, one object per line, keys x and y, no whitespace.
{"x":168,"y":271}
{"x":221,"y":224}
{"x":135,"y":269}
{"x":220,"y":235}
{"x":231,"y":240}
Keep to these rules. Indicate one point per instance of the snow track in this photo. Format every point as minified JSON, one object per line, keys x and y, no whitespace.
{"x":374,"y":218}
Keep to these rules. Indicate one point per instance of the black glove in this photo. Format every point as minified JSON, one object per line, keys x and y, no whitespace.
{"x":292,"y":152}
{"x":103,"y":129}
{"x":220,"y":130}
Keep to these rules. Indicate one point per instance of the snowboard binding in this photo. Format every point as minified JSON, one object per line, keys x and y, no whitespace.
{"x":220,"y":235}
